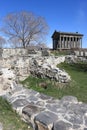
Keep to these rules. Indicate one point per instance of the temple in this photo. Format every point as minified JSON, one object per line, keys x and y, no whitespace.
{"x":66,"y":40}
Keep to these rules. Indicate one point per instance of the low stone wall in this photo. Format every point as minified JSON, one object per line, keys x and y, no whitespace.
{"x":23,"y":63}
{"x":46,"y":113}
{"x":5,"y":53}
{"x":75,"y":59}
{"x":19,"y":65}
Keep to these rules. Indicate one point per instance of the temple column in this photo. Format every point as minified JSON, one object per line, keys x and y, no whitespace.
{"x":60,"y":43}
{"x":66,"y":42}
{"x":81,"y":42}
{"x":69,"y":42}
{"x":63,"y":43}
{"x":75,"y":43}
{"x":78,"y":42}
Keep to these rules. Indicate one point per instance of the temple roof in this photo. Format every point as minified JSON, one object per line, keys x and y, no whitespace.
{"x":55,"y":34}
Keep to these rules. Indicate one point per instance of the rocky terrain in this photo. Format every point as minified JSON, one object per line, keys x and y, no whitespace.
{"x":38,"y":110}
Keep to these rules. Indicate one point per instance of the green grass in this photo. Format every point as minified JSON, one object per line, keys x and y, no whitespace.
{"x":77,"y":87}
{"x":60,"y":53}
{"x":78,"y":73}
{"x":10,"y":119}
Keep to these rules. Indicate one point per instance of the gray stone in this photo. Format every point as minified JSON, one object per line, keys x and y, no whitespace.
{"x":74,"y":119}
{"x":44,"y":97}
{"x":53,"y":107}
{"x":45,"y":52}
{"x":40,"y":103}
{"x":76,"y":126}
{"x":20,"y":103}
{"x":85,"y":118}
{"x":61,"y":125}
{"x":71,"y":99}
{"x":31,"y":109}
{"x":32,"y":99}
{"x":53,"y":101}
{"x":46,"y":118}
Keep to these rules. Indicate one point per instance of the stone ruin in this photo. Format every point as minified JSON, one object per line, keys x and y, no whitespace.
{"x":38,"y":110}
{"x":23,"y":64}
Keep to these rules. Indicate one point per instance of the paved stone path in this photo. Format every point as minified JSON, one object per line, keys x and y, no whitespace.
{"x":46,"y":113}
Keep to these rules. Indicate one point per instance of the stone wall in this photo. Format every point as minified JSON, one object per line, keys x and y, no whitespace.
{"x":24,"y":63}
{"x":75,"y":59}
{"x":5,"y":53}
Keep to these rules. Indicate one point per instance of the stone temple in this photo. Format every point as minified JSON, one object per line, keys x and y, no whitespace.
{"x":66,"y":40}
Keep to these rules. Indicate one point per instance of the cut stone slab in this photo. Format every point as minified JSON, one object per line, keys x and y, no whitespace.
{"x":20,"y":103}
{"x":61,"y":125}
{"x":29,"y":113}
{"x":31,"y":109}
{"x":44,"y":120}
{"x":32,"y":98}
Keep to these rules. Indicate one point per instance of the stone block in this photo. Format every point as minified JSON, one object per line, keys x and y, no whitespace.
{"x":20,"y":103}
{"x":44,"y":120}
{"x":45,"y":53}
{"x":61,"y":125}
{"x":31,"y":109}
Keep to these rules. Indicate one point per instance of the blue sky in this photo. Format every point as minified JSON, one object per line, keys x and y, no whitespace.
{"x":60,"y":15}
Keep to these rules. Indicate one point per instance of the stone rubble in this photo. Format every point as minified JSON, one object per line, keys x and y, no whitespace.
{"x":24,"y":64}
{"x":46,"y":67}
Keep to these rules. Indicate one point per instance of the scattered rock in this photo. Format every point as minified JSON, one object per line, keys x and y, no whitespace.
{"x":43,"y":85}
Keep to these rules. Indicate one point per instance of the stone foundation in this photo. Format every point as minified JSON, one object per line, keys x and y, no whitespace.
{"x":23,"y":64}
{"x":40,"y":111}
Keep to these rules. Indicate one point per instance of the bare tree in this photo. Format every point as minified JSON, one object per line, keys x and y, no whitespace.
{"x":24,"y":26}
{"x":41,"y":45}
{"x":2,"y":42}
{"x":14,"y":43}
